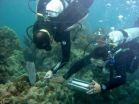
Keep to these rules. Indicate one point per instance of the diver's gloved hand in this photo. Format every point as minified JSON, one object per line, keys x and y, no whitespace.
{"x":48,"y":75}
{"x":94,"y":88}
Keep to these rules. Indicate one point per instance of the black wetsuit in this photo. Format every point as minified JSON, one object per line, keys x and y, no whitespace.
{"x":57,"y":25}
{"x":59,"y":36}
{"x":126,"y":60}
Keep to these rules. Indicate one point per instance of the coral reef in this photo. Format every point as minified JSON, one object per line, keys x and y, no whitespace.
{"x":11,"y":56}
{"x":16,"y":89}
{"x":20,"y":92}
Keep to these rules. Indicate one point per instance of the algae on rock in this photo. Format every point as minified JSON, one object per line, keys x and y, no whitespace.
{"x":19,"y":91}
{"x":11,"y":56}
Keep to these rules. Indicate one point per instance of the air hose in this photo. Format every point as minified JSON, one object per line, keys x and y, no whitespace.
{"x":29,"y":6}
{"x":27,"y":32}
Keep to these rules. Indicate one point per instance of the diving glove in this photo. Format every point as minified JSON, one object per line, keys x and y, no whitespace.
{"x":48,"y":75}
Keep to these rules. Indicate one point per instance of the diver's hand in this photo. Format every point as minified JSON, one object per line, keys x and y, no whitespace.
{"x":94,"y":88}
{"x":48,"y":75}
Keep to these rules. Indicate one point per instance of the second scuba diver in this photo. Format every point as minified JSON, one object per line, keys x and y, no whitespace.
{"x":119,"y":54}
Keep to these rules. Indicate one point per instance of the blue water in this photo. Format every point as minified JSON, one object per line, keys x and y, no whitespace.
{"x":16,"y":15}
{"x":107,"y":13}
{"x":103,"y":14}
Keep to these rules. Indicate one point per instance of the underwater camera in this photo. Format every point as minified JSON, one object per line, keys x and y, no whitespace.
{"x":79,"y":85}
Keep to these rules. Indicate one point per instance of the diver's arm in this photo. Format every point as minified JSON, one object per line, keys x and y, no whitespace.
{"x":114,"y":82}
{"x":78,"y":65}
{"x":59,"y":65}
{"x":117,"y":80}
{"x":65,"y":46}
{"x":95,"y":87}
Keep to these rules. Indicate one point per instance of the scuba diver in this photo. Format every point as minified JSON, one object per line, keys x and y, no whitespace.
{"x":55,"y":19}
{"x":119,"y":54}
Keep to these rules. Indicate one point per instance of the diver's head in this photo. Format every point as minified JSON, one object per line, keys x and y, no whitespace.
{"x":42,"y":39}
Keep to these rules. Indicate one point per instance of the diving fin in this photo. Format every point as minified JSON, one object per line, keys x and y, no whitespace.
{"x":30,"y":66}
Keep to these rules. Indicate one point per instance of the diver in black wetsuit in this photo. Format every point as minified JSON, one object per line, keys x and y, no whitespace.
{"x":55,"y":20}
{"x":121,"y":59}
